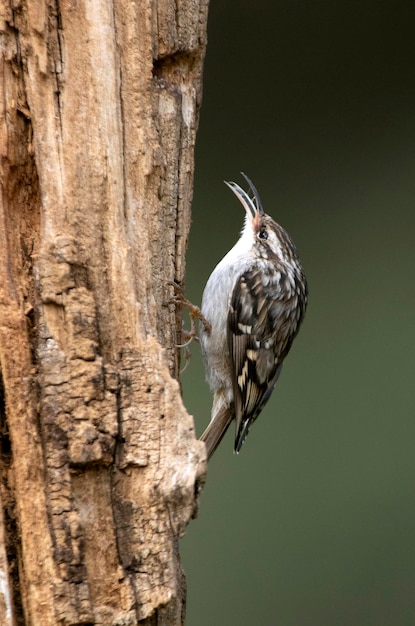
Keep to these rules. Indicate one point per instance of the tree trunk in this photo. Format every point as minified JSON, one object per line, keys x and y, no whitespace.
{"x":99,"y":463}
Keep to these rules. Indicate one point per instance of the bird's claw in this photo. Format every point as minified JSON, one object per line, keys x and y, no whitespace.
{"x":194,"y":313}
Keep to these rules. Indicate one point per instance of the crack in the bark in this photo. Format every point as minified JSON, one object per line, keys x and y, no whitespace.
{"x":58,"y":64}
{"x":115,"y":468}
{"x":12,"y":536}
{"x":122,"y":113}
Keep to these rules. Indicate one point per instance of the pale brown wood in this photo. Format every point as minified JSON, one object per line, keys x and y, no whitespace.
{"x":99,"y":465}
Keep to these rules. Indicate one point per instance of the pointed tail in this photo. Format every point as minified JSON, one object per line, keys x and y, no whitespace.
{"x":216,"y":430}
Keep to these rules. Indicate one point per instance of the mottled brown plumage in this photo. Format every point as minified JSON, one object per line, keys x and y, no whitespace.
{"x":255,"y":301}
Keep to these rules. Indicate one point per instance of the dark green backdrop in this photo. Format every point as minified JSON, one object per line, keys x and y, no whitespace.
{"x":313,"y":523}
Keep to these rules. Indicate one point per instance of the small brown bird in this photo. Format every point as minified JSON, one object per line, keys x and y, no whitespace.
{"x":254,"y":302}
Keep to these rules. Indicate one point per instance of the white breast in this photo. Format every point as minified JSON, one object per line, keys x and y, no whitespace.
{"x":215,"y":307}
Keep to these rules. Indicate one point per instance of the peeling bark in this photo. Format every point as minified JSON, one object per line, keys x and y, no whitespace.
{"x":99,"y":464}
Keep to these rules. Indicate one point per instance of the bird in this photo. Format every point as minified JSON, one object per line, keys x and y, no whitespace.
{"x":252,"y":308}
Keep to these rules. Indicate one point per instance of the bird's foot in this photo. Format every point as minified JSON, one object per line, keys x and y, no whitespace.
{"x":194,"y":313}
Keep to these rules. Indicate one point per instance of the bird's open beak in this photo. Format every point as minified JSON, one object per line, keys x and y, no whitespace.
{"x":252,"y":206}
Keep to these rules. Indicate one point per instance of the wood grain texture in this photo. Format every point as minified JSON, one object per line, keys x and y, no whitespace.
{"x":100,"y":104}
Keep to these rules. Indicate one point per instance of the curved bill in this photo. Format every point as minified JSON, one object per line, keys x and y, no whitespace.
{"x":252,"y":206}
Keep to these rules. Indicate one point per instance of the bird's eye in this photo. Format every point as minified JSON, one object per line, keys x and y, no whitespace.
{"x":263,"y":234}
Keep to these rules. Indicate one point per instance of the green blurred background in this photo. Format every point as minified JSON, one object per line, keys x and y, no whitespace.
{"x":313,"y":524}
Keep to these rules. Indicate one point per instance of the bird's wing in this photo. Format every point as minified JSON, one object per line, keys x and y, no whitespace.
{"x":253,"y":320}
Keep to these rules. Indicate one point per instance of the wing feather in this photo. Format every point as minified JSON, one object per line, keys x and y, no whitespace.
{"x":245,"y":331}
{"x":259,"y":337}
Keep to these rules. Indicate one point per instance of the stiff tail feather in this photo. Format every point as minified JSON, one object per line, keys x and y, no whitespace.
{"x":216,"y":430}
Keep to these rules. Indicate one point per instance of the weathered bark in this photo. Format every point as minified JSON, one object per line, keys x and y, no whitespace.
{"x":99,"y":463}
